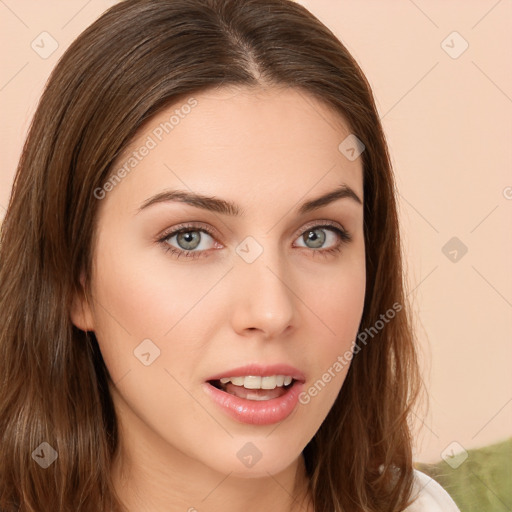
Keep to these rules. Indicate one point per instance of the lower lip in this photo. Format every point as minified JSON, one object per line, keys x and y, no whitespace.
{"x":256,"y":412}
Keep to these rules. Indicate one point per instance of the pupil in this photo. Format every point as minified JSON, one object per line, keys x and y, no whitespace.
{"x":189,"y":240}
{"x":312,"y":236}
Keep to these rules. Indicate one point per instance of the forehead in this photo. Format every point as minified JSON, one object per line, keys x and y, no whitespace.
{"x":241,"y":141}
{"x":279,"y":116}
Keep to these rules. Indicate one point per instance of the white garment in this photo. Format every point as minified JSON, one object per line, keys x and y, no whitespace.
{"x":431,"y":496}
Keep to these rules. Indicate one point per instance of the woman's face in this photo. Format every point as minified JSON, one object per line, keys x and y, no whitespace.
{"x":265,"y":286}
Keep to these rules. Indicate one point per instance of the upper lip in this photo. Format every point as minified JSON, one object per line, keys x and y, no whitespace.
{"x":262,"y":371}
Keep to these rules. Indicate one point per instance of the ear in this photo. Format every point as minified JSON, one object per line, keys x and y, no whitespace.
{"x":81,"y":311}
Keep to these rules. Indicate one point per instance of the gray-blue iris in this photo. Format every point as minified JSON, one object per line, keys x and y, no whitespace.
{"x":311,"y":235}
{"x":189,"y":238}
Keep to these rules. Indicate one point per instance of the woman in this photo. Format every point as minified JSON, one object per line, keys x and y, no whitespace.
{"x":203,"y":306}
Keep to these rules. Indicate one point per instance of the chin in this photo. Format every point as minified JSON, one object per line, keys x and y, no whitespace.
{"x":256,"y":456}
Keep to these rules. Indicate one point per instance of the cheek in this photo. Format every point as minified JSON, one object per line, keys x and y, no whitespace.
{"x":337,"y":304}
{"x":141,"y":289}
{"x":137,"y":302}
{"x":338,"y":300}
{"x":138,"y":297}
{"x":343,"y":300}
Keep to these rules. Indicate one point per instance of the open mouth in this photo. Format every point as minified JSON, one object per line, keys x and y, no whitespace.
{"x":253,"y":390}
{"x":257,"y":399}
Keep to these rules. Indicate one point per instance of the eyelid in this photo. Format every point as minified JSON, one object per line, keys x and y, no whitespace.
{"x":319,"y":223}
{"x":184,"y":226}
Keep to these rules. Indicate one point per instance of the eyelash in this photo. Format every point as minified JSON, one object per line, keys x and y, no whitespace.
{"x":344,"y":236}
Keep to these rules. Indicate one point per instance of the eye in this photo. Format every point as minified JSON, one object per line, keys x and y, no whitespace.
{"x":189,"y":240}
{"x":193,"y":241}
{"x":317,"y":237}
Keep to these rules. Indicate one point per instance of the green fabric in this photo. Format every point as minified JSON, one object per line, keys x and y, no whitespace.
{"x":482,"y":483}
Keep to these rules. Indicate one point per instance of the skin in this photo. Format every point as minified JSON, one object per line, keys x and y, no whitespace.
{"x":268,"y":150}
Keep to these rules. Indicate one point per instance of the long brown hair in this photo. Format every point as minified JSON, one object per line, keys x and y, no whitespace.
{"x":137,"y":58}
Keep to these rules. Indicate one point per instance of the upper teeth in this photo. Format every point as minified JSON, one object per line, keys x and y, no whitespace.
{"x":256,"y":382}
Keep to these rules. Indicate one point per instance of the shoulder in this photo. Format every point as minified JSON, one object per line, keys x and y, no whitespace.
{"x":431,"y":497}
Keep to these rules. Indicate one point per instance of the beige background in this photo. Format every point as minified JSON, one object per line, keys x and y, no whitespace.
{"x":449,"y":126}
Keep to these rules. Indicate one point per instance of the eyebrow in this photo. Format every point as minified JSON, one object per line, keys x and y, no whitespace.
{"x":217,"y":205}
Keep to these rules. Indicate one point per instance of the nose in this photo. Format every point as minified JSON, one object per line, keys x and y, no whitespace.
{"x":262,"y":298}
